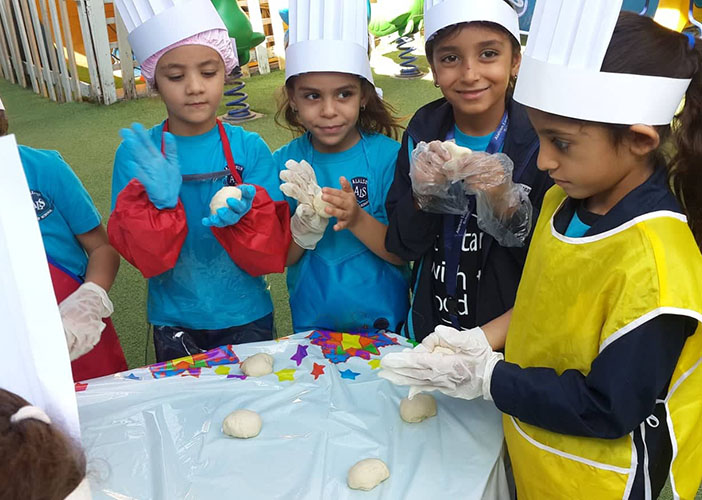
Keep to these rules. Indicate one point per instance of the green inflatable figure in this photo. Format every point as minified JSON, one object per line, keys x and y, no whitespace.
{"x":401,"y":16}
{"x":239,"y":27}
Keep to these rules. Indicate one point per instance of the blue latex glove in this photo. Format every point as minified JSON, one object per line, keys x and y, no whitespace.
{"x":228,"y":216}
{"x":159,"y":175}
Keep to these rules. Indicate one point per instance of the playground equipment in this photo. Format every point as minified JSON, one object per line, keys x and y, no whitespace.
{"x":403,"y":17}
{"x":240,"y":29}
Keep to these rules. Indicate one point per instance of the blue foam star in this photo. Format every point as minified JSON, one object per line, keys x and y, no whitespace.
{"x":133,"y":377}
{"x":349,"y":374}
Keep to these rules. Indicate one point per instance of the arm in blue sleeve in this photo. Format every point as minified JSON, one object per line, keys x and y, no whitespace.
{"x":617,"y":395}
{"x":411,"y":232}
{"x":259,"y":167}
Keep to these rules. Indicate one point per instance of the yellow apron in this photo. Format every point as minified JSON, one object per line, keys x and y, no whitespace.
{"x":575,"y":298}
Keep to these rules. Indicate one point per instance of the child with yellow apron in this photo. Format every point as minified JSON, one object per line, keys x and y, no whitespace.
{"x":600,"y":382}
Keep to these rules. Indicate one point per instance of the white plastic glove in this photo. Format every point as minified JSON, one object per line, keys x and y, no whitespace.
{"x":310,"y":220}
{"x":465,"y":374}
{"x":81,"y":314}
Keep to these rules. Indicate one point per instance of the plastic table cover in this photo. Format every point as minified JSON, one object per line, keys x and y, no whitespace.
{"x":155,"y":432}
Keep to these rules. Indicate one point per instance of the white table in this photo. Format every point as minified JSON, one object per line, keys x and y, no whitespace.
{"x":155,"y":432}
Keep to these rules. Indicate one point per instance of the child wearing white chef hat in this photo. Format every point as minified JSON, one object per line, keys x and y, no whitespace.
{"x":601,"y":374}
{"x":204,"y":255}
{"x":340,"y":276}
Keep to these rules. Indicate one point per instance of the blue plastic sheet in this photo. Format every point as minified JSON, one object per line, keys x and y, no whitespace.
{"x":155,"y":432}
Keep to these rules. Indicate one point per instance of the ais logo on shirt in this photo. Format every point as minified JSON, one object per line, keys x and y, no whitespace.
{"x":360,"y":189}
{"x":229,"y":179}
{"x":42,"y":206}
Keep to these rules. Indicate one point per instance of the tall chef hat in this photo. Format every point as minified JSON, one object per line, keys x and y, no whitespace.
{"x":561,"y":69}
{"x":439,"y":14}
{"x":157,"y":26}
{"x":328,"y":36}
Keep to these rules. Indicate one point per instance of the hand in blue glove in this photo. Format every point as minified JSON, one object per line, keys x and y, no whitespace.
{"x":235,"y":209}
{"x":159,"y":175}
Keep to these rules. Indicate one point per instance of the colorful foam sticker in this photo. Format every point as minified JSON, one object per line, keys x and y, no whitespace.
{"x":338,"y":347}
{"x":80,"y":387}
{"x":317,"y":370}
{"x":300,"y":354}
{"x":374,"y":364}
{"x":191,"y":365}
{"x":349,"y":374}
{"x":285,"y":374}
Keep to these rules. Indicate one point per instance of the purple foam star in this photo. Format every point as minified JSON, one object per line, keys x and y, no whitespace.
{"x":300,"y":354}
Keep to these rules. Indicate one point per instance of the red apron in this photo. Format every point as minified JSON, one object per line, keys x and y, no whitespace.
{"x":107,"y":356}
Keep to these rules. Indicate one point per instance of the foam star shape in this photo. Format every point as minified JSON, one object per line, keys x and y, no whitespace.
{"x":351,"y":375}
{"x":348,"y":341}
{"x":374,"y":364}
{"x":317,"y":371}
{"x":285,"y":374}
{"x":300,"y":354}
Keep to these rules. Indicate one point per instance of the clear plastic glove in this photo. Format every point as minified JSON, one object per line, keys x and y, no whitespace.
{"x":503,"y":207}
{"x":236,"y":209}
{"x":160,"y":175}
{"x":81,"y":314}
{"x":466,"y":373}
{"x":307,"y":227}
{"x":433,"y":190}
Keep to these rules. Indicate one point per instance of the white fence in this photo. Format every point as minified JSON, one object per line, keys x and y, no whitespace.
{"x":68,"y":50}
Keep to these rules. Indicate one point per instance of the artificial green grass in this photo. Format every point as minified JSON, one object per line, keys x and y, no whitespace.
{"x":87,"y":136}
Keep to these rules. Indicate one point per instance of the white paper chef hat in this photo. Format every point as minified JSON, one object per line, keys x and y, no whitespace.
{"x":328,"y":35}
{"x":439,"y":14}
{"x":560,"y":71}
{"x":154,"y":25}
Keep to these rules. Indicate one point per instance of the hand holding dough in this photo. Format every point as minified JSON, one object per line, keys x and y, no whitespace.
{"x":367,"y":474}
{"x":242,"y":424}
{"x":219,"y":200}
{"x":257,"y":365}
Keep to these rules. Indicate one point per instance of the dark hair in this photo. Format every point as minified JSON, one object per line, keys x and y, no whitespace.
{"x":40,"y":461}
{"x":641,"y":46}
{"x":377,"y":116}
{"x":3,"y":123}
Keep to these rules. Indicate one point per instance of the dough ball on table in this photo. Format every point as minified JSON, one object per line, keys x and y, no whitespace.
{"x":257,"y":365}
{"x":367,"y":474}
{"x":419,"y":408}
{"x":242,"y":424}
{"x":219,"y":200}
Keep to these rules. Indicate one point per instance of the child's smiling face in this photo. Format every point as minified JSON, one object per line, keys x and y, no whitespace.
{"x":473,"y":67}
{"x":190,"y":80}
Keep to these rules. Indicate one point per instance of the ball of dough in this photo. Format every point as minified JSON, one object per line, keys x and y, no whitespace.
{"x":257,"y":365}
{"x":219,"y":200}
{"x":420,"y":407}
{"x":242,"y":424}
{"x":367,"y":474}
{"x":455,"y":150}
{"x":319,"y":205}
{"x":443,"y":350}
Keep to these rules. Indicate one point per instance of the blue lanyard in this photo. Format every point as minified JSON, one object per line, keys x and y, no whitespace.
{"x":455,"y":228}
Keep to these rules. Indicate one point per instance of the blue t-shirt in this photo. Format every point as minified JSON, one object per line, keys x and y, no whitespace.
{"x":341,"y":285}
{"x":577,"y":228}
{"x":206,"y":290}
{"x":64,"y":208}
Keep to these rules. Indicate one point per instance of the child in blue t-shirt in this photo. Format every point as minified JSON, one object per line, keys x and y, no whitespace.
{"x":340,"y":276}
{"x":204,"y":265}
{"x":82,"y":263}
